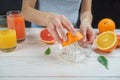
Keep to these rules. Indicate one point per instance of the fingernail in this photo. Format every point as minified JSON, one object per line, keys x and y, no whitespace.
{"x":74,"y":33}
{"x":59,"y":41}
{"x":64,"y":38}
{"x":84,"y":40}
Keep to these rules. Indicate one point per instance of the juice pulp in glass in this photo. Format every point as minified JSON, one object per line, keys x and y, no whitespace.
{"x":16,"y":21}
{"x":7,"y":39}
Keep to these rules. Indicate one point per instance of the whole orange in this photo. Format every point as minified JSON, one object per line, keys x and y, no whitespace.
{"x":106,"y":24}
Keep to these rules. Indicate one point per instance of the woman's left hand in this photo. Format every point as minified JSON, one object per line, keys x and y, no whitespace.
{"x":88,"y":33}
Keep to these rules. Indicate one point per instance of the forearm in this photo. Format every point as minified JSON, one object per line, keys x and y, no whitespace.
{"x":86,"y":27}
{"x":86,"y":15}
{"x":33,"y":15}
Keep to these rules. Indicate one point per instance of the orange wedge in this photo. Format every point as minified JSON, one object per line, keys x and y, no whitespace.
{"x":106,"y":41}
{"x":71,"y":39}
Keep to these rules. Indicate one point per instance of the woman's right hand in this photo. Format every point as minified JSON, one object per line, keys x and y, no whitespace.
{"x":56,"y":24}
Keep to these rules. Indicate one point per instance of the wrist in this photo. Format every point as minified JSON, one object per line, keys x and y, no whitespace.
{"x":43,"y":18}
{"x":85,"y":21}
{"x":86,"y":17}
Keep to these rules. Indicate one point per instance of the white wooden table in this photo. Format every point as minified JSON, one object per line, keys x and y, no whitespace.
{"x":28,"y":62}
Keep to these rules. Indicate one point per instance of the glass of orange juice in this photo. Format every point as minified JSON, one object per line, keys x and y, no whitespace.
{"x":8,"y":39}
{"x":15,"y":19}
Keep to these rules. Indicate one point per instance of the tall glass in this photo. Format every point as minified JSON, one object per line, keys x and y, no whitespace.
{"x":15,"y":19}
{"x":8,"y":39}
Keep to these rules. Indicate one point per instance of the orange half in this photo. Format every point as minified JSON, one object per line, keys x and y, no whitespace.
{"x":106,"y":41}
{"x":118,"y":40}
{"x":71,"y":39}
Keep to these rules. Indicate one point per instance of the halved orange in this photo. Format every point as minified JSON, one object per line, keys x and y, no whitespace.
{"x":106,"y":41}
{"x":71,"y":39}
{"x":118,"y":40}
{"x":46,"y":37}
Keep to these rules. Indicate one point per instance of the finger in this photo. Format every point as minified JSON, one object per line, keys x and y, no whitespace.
{"x":83,"y":32}
{"x":91,"y":36}
{"x":67,"y":24}
{"x":54,"y":33}
{"x":82,"y":44}
{"x":60,"y":30}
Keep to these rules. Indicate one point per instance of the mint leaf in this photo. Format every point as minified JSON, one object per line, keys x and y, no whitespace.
{"x":103,"y":61}
{"x":47,"y":51}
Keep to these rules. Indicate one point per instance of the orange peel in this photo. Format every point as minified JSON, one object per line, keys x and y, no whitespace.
{"x":71,"y":38}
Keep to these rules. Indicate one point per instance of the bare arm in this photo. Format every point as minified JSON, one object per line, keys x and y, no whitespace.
{"x":32,"y":14}
{"x":54,"y":22}
{"x":86,"y":15}
{"x":86,"y":21}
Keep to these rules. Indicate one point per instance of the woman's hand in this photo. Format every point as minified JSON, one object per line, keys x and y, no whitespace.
{"x":88,"y":34}
{"x":57,"y":24}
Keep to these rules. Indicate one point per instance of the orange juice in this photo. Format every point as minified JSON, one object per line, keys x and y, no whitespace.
{"x":16,"y":21}
{"x":7,"y":40}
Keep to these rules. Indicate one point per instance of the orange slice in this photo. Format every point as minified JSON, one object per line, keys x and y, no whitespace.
{"x":71,"y":39}
{"x":106,"y":41}
{"x":46,"y":37}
